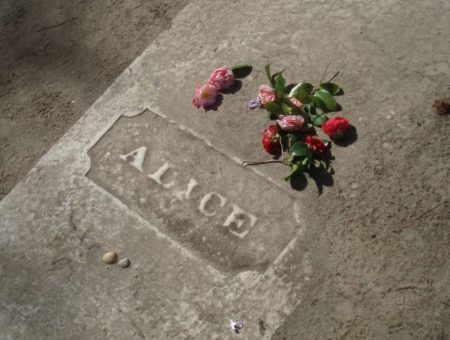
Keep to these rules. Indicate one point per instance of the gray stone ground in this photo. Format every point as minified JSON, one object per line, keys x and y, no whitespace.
{"x":368,"y":258}
{"x":57,"y":58}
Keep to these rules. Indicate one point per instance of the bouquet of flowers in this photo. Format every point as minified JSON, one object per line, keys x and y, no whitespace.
{"x":298,"y":110}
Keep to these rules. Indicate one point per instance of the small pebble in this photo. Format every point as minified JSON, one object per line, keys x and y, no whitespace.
{"x":124,"y":263}
{"x":236,"y":325}
{"x":110,"y":257}
{"x":388,"y":147}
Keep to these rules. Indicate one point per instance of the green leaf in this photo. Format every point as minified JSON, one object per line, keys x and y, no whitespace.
{"x":274,"y":110}
{"x":310,"y":108}
{"x":299,"y":149}
{"x":275,"y":74}
{"x":299,"y":112}
{"x":293,"y":138}
{"x":241,"y":71}
{"x":288,"y":88}
{"x":286,"y":108}
{"x":280,"y":82}
{"x":295,"y":168}
{"x":304,"y":88}
{"x":319,"y":111}
{"x":331,"y":88}
{"x":327,"y":99}
{"x":268,"y":74}
{"x":317,"y":104}
{"x":302,"y":92}
{"x":318,"y":120}
{"x":304,"y":97}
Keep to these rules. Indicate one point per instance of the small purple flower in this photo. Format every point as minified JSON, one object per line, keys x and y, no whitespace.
{"x":254,"y":103}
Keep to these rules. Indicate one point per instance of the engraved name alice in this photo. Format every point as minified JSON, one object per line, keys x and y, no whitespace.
{"x":239,"y":222}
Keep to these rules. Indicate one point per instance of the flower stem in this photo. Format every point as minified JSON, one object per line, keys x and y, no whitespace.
{"x":324,"y":72}
{"x":335,"y":75}
{"x":247,"y":163}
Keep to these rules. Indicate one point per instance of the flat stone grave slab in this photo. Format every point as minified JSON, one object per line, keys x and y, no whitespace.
{"x":194,"y":193}
{"x":147,"y":175}
{"x":208,"y":239}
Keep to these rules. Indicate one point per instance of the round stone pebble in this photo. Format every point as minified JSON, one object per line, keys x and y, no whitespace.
{"x":124,"y":263}
{"x":110,"y":257}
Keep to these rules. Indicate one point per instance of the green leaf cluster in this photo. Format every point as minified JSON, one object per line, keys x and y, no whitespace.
{"x":318,"y":102}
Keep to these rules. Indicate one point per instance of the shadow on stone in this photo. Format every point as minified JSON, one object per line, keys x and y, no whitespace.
{"x":350,"y":137}
{"x":338,"y":108}
{"x":289,"y":87}
{"x":321,"y":177}
{"x":298,"y":181}
{"x":216,"y":105}
{"x":237,"y":85}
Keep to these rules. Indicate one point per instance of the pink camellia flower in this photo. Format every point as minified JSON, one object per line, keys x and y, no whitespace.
{"x":222,"y":78}
{"x":291,"y":123}
{"x":297,"y":103}
{"x":315,"y":144}
{"x":271,"y":140}
{"x":205,"y":96}
{"x":266,"y":94}
{"x":335,"y":127}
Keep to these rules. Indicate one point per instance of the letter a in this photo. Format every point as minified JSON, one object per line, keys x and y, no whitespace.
{"x":136,"y":158}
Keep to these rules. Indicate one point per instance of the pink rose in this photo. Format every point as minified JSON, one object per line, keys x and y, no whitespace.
{"x":266,"y":94}
{"x":294,"y":101}
{"x":290,"y":123}
{"x":205,"y":96}
{"x":222,"y":78}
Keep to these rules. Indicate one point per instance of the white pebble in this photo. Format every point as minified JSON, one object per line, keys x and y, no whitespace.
{"x":109,"y":257}
{"x":124,"y":263}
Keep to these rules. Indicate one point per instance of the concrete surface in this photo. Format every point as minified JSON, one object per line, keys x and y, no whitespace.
{"x":57,"y":58}
{"x":369,"y":258}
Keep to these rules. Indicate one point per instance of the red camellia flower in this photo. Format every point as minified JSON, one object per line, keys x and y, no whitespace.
{"x":271,"y":140}
{"x":335,"y":127}
{"x":315,"y":144}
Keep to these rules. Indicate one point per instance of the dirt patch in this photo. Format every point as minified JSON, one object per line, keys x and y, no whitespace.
{"x":57,"y":59}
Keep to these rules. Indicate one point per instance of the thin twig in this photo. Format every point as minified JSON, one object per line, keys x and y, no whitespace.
{"x":335,"y":75}
{"x":56,"y":25}
{"x":138,"y":6}
{"x":324,"y":72}
{"x":246,"y":163}
{"x":411,"y":287}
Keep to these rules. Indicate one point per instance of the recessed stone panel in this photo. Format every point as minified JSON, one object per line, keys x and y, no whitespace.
{"x":228,"y":215}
